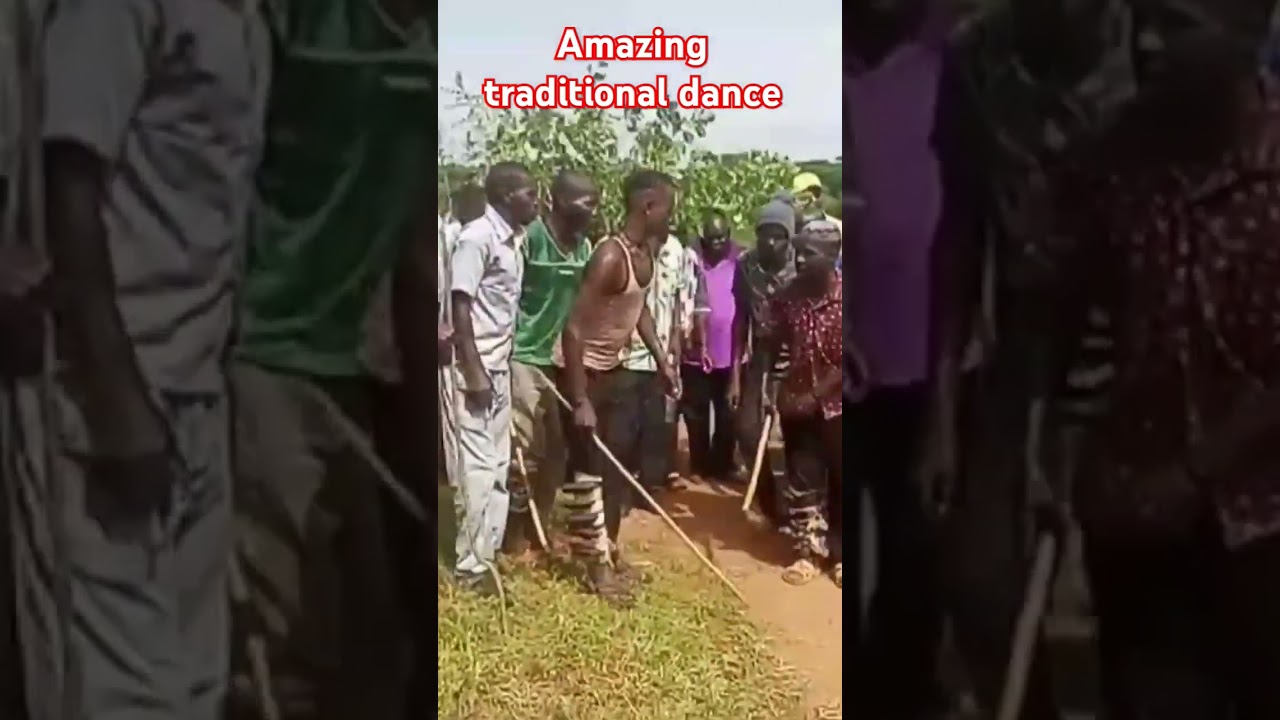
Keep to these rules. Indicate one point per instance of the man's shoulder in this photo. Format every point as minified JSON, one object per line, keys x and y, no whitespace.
{"x":477,"y":232}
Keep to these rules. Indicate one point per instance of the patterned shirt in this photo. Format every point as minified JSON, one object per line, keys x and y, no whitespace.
{"x":755,"y":287}
{"x":664,"y":300}
{"x":812,"y":328}
{"x":1191,"y":292}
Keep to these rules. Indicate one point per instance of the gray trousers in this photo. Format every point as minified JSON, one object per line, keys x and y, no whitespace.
{"x":313,"y":544}
{"x":115,"y":625}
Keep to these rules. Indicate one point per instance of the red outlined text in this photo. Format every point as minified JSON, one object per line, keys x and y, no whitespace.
{"x":691,"y":50}
{"x":561,"y":92}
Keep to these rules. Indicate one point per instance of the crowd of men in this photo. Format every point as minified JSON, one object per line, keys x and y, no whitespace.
{"x":1065,"y":291}
{"x":570,"y":360}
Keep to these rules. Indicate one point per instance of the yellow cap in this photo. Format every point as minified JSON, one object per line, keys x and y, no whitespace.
{"x":805,"y":182}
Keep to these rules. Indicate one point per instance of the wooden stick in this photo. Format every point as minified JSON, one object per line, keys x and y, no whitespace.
{"x":533,"y":504}
{"x":761,"y":446}
{"x":644,"y":493}
{"x":256,"y":650}
{"x":1027,"y":632}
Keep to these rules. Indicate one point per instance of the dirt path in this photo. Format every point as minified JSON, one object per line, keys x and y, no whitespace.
{"x":805,"y":621}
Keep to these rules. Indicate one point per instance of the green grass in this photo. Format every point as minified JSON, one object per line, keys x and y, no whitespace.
{"x":685,"y":651}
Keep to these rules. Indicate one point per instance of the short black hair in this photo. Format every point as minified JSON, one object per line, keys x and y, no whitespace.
{"x":572,"y":183}
{"x":468,"y":202}
{"x":642,"y":181}
{"x":711,"y":215}
{"x":503,"y":179}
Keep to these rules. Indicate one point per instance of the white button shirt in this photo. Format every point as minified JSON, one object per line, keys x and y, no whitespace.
{"x":487,"y":265}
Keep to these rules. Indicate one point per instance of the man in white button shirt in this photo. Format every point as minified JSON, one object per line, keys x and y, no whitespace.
{"x":468,"y":205}
{"x":486,"y":272}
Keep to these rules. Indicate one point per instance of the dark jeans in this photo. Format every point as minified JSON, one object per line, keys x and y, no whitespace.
{"x":638,"y":431}
{"x":314,"y":544}
{"x":896,"y":668}
{"x":410,"y":544}
{"x":749,"y":423}
{"x":705,"y":393}
{"x":589,"y":465}
{"x":985,"y":553}
{"x":1188,"y":631}
{"x":813,"y":449}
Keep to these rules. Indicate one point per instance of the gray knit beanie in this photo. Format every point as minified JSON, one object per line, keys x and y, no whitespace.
{"x":778,"y":212}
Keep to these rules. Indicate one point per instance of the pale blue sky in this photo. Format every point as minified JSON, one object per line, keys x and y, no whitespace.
{"x":796,"y":45}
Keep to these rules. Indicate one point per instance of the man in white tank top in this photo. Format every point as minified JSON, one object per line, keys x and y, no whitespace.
{"x":610,"y":309}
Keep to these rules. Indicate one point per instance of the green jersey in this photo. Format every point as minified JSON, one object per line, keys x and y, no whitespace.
{"x":344,"y":174}
{"x":551,"y":280}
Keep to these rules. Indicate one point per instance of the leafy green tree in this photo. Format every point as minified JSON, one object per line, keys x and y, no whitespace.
{"x":610,"y":144}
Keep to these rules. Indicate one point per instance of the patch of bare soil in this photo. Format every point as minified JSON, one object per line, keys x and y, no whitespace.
{"x":805,"y":621}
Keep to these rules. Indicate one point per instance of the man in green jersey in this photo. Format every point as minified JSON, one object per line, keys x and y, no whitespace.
{"x":555,"y":254}
{"x":341,"y":189}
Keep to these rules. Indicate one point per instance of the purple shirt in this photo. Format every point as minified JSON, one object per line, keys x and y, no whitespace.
{"x":718,"y":279}
{"x":891,"y":112}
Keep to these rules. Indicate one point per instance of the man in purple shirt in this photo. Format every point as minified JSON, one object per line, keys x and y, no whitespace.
{"x":893,"y":62}
{"x":708,"y":364}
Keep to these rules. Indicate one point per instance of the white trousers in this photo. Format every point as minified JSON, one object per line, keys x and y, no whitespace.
{"x":480,"y":484}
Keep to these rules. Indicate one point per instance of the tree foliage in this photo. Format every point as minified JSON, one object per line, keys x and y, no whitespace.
{"x":610,"y":144}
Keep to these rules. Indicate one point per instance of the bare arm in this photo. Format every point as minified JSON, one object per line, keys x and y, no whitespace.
{"x":604,"y":276}
{"x":741,"y":323}
{"x":413,"y":298}
{"x":464,"y":338}
{"x":104,"y":371}
{"x":958,"y":257}
{"x":97,"y":56}
{"x":677,"y":342}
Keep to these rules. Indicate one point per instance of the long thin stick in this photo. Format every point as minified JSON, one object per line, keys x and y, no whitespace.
{"x":1028,"y":629}
{"x":533,"y":504}
{"x":363,"y":447}
{"x":644,"y":493}
{"x":761,"y":446}
{"x":259,"y":663}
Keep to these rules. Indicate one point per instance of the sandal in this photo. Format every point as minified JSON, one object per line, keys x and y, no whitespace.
{"x":837,"y":574}
{"x":801,"y":572}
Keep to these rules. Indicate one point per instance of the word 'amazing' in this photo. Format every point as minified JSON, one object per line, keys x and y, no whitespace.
{"x":691,"y":50}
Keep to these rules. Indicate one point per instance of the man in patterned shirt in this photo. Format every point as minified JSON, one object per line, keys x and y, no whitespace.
{"x":1024,"y":86}
{"x":806,"y":318}
{"x":762,"y":272}
{"x":1177,"y":219}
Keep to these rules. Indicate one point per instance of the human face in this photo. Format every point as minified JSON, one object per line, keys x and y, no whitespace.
{"x":523,"y":201}
{"x":814,"y":262}
{"x":577,"y":210}
{"x":715,"y":238}
{"x":809,"y":196}
{"x":1168,"y":36}
{"x":772,"y":241}
{"x":658,"y":211}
